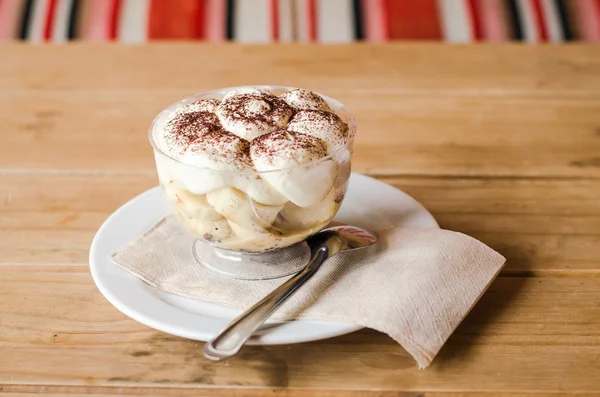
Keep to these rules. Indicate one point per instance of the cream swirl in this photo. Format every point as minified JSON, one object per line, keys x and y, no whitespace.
{"x":202,"y":105}
{"x":305,"y":100}
{"x":289,"y":162}
{"x":218,"y":150}
{"x":246,"y":90}
{"x":213,"y":161}
{"x":184,"y":128}
{"x":250,"y":115}
{"x":321,"y":124}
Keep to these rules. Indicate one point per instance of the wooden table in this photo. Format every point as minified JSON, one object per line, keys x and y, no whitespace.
{"x":499,"y":142}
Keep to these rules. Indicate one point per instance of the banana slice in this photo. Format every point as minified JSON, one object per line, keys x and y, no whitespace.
{"x":289,"y":239}
{"x":190,"y":205}
{"x":214,"y":231}
{"x":293,"y":217}
{"x":241,"y":210}
{"x":249,"y":240}
{"x":259,"y":190}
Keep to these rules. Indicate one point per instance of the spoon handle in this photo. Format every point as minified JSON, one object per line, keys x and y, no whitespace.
{"x":230,"y":341}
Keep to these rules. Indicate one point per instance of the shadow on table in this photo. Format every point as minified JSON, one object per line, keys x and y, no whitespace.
{"x":476,"y":325}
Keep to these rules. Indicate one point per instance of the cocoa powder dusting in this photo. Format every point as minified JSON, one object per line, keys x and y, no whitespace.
{"x":300,"y":99}
{"x":204,"y":104}
{"x":235,"y":109}
{"x":286,"y":143}
{"x":222,"y":143}
{"x":186,"y":128}
{"x":320,"y":123}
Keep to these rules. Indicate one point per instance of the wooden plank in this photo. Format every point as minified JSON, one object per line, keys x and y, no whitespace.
{"x":394,"y":67}
{"x":398,"y":134}
{"x":543,"y":227}
{"x":58,"y":330}
{"x":411,"y":121}
{"x":108,"y":391}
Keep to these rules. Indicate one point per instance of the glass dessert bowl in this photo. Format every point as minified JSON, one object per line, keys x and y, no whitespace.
{"x":252,"y":171}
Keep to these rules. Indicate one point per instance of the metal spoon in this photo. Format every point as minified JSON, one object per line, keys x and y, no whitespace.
{"x":323,"y":246}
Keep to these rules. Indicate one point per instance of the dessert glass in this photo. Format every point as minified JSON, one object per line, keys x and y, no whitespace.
{"x":244,"y":228}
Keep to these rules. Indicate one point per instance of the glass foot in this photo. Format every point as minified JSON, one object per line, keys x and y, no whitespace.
{"x":252,"y":265}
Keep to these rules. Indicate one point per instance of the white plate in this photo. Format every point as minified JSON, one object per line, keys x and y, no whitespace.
{"x":369,"y":203}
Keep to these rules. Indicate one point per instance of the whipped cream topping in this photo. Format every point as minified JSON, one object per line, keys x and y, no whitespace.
{"x":321,"y":124}
{"x":185,"y":128}
{"x":250,"y":115}
{"x":245,"y":90}
{"x":286,"y":160}
{"x":202,"y":105}
{"x":239,"y":141}
{"x":284,"y":149}
{"x":218,"y":150}
{"x":305,"y":100}
{"x":213,"y":161}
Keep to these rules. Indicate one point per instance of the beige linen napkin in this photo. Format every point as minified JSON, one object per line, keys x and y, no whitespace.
{"x":416,"y":285}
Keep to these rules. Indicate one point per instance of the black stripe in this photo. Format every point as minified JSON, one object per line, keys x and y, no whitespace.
{"x":357,"y":14}
{"x":565,"y":21}
{"x":26,"y":19}
{"x":230,"y":19}
{"x":73,"y":18}
{"x":514,"y":20}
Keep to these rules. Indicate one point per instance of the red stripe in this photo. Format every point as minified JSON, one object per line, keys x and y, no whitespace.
{"x":311,"y":15}
{"x":540,"y":22}
{"x":49,"y":20}
{"x":173,"y":19}
{"x":385,"y":19}
{"x":113,"y":21}
{"x":597,"y":4}
{"x":475,"y":15}
{"x":413,"y":19}
{"x":274,"y":20}
{"x":199,"y":22}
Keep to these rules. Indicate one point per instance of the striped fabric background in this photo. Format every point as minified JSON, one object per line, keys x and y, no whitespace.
{"x":325,"y":21}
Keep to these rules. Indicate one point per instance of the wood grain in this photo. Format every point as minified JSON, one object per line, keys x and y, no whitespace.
{"x":58,"y":329}
{"x":109,"y":391}
{"x":537,"y":117}
{"x":516,"y":69}
{"x":498,"y":142}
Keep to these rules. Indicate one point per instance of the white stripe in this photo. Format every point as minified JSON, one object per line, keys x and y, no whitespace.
{"x":301,"y":20}
{"x":334,"y":22}
{"x":527,"y":21}
{"x":286,"y":33}
{"x":132,"y":26}
{"x":252,"y":21}
{"x":35,"y":30}
{"x":456,"y":23}
{"x":552,"y":21}
{"x":61,"y":21}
